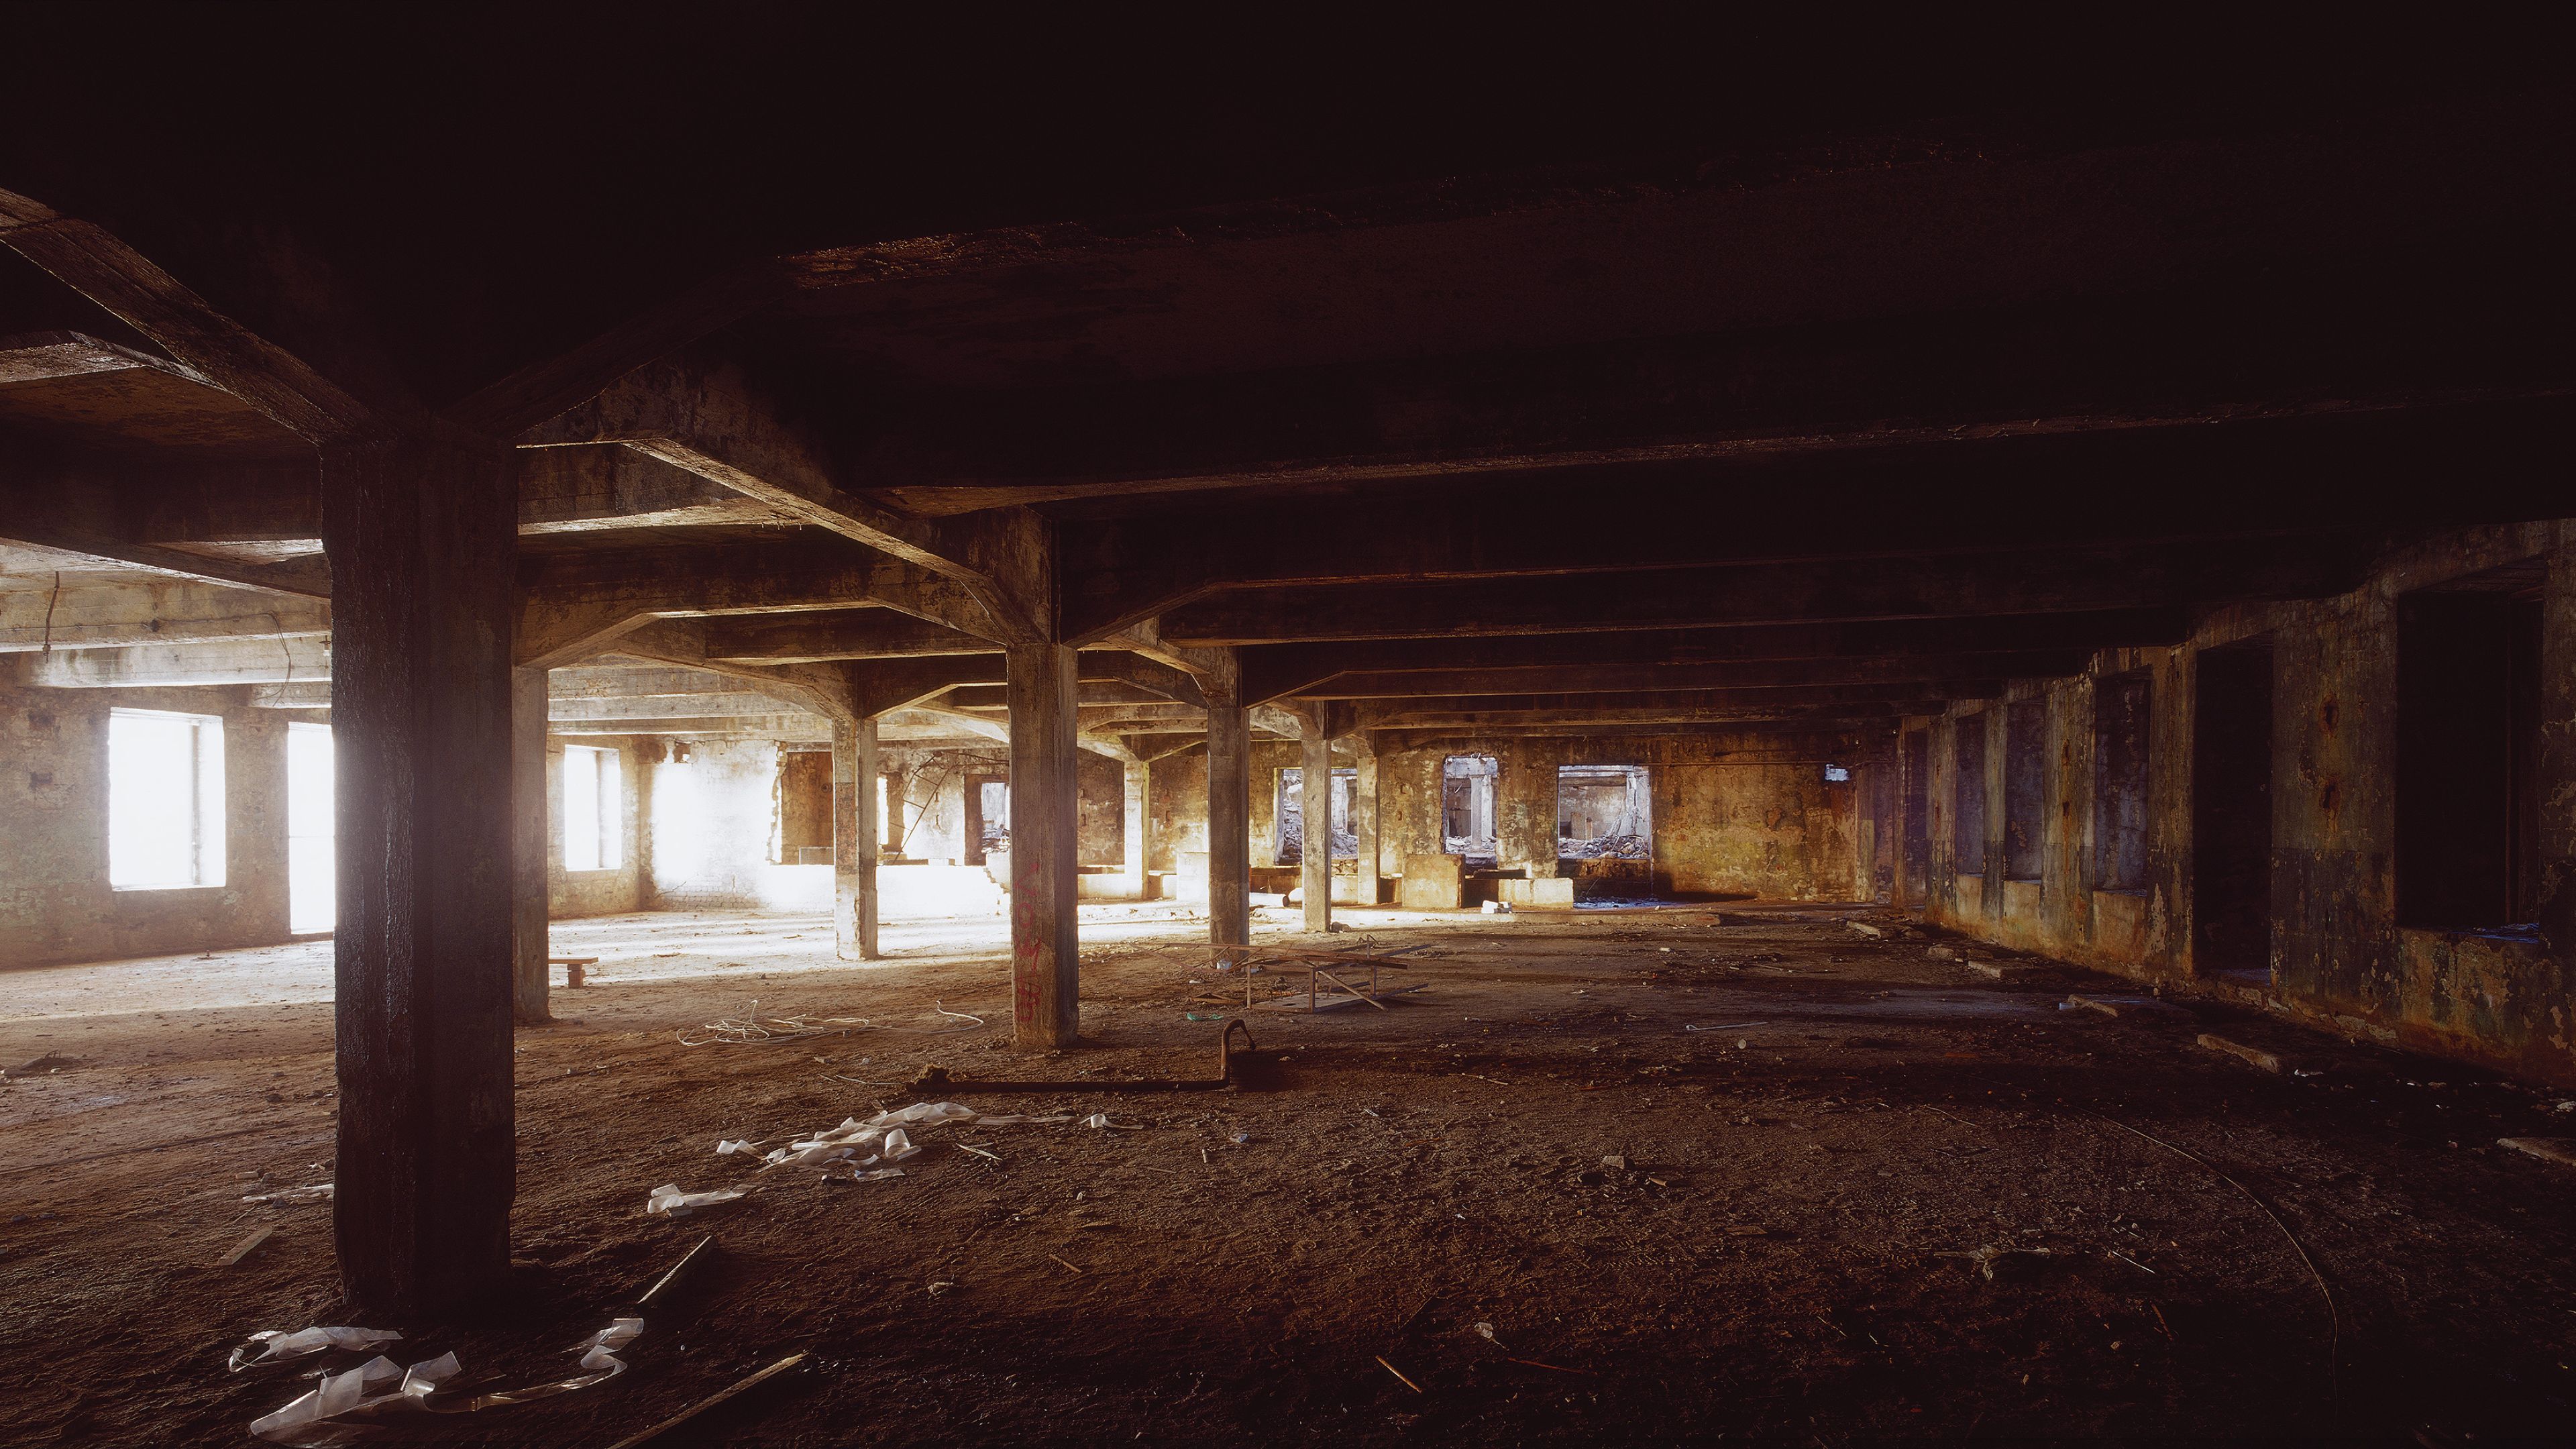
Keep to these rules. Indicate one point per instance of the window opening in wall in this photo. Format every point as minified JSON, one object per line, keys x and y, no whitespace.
{"x":2231,"y":810}
{"x":804,"y":808}
{"x":1290,"y":816}
{"x":992,"y":797}
{"x":1968,"y":794}
{"x":1467,"y":809}
{"x":2025,"y":790}
{"x":165,"y":800}
{"x":2468,"y":738}
{"x":885,"y":824}
{"x":2120,"y":783}
{"x":594,"y":808}
{"x":312,"y":884}
{"x":1602,"y":813}
{"x":1917,"y":864}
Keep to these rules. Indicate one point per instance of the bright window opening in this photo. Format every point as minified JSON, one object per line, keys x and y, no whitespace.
{"x":1467,"y":808}
{"x":165,"y":800}
{"x":1602,"y":813}
{"x":312,"y":885}
{"x":1291,"y":816}
{"x":593,"y":808}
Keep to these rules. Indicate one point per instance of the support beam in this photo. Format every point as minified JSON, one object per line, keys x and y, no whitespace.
{"x":530,"y":818}
{"x":1276,"y":670}
{"x":287,"y":659}
{"x":1229,"y":817}
{"x":81,"y":614}
{"x":813,"y":637}
{"x":1045,"y":853}
{"x":1653,"y":678}
{"x":2127,"y":577}
{"x":420,"y":535}
{"x":1315,"y":813}
{"x":854,"y":839}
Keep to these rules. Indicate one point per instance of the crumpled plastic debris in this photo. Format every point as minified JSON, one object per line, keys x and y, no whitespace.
{"x":1099,"y":1121}
{"x":668,"y":1201}
{"x":337,"y":1409}
{"x":332,"y":1413}
{"x":271,"y":1345}
{"x":879,"y":1142}
{"x":318,"y":1192}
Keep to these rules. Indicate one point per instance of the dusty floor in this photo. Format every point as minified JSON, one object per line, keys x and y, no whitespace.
{"x":1779,"y":1258}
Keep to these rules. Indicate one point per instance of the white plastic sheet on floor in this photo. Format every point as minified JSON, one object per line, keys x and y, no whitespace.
{"x":670,"y":1201}
{"x":270,"y":1346}
{"x":338,"y":1409}
{"x":879,"y":1142}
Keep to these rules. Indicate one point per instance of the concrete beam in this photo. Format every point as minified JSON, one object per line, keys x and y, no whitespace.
{"x":705,"y":413}
{"x":2144,"y":576}
{"x":1276,"y":670}
{"x":279,"y":659}
{"x":837,"y":634}
{"x":650,"y":707}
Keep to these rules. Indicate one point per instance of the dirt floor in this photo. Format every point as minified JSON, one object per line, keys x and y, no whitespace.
{"x":1612,"y":1177}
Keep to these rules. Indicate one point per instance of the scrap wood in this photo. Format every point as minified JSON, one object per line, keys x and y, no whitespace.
{"x":711,"y":1401}
{"x":245,"y":1247}
{"x":2251,"y":1056}
{"x":687,"y":1261}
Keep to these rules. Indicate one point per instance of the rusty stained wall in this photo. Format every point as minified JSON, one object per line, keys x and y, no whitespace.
{"x":2337,"y":957}
{"x":1749,"y":814}
{"x":55,"y":902}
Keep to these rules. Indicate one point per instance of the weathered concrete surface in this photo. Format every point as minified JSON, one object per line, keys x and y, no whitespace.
{"x":1747,"y":814}
{"x":55,"y":901}
{"x":2338,"y":957}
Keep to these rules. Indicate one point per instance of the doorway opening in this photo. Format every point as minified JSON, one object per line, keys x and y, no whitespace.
{"x":1467,"y":809}
{"x":988,"y":817}
{"x":2231,"y":813}
{"x":1605,"y":831}
{"x":1289,"y":815}
{"x":312,"y":876}
{"x":2468,"y":746}
{"x":1917,"y":866}
{"x":1968,"y":795}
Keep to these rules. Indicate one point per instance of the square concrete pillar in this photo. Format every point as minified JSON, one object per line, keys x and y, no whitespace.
{"x":422,"y":534}
{"x":1364,"y":823}
{"x":1136,"y":819}
{"x":1229,"y":854}
{"x":529,"y":840}
{"x":854,"y":839}
{"x":1045,"y":868}
{"x":1315,"y":873}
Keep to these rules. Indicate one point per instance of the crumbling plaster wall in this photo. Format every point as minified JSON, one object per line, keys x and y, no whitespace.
{"x":2338,"y":957}
{"x":55,"y":901}
{"x":1748,"y":814}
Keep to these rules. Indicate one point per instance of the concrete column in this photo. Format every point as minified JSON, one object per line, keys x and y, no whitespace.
{"x":1316,"y":796}
{"x":854,"y":839}
{"x":1364,"y":822}
{"x":2557,"y":763}
{"x":422,"y":534}
{"x":529,"y":841}
{"x":1229,"y":853}
{"x":1045,"y":949}
{"x":1136,"y":819}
